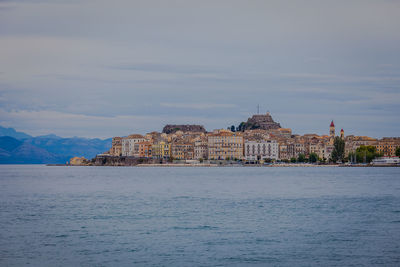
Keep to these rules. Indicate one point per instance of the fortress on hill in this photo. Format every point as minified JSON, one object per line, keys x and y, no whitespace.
{"x":259,"y":121}
{"x":263,"y":121}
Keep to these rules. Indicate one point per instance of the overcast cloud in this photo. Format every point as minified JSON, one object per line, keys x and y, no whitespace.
{"x":112,"y":68}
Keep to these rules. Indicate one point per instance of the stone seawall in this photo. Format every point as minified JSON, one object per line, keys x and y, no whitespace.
{"x":122,"y":161}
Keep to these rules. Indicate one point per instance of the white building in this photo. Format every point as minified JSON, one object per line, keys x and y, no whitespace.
{"x":201,"y":149}
{"x":129,"y":142}
{"x":261,"y":150}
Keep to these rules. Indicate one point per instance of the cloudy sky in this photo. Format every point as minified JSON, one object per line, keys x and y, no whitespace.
{"x":111,"y":68}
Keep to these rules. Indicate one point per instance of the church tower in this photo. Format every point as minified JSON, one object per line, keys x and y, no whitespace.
{"x":341,"y":134}
{"x":332,"y":130}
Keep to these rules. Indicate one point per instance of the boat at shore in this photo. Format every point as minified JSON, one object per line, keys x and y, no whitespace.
{"x":386,"y":161}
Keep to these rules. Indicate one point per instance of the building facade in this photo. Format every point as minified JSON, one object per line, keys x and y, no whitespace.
{"x":201,"y":149}
{"x":261,"y":150}
{"x":142,"y":149}
{"x":128,"y":143}
{"x":387,"y":146}
{"x":182,"y":151}
{"x":322,"y":149}
{"x":161,"y":150}
{"x":224,"y":144}
{"x":116,"y":146}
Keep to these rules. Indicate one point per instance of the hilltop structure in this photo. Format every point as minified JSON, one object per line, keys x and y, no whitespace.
{"x":172,"y":128}
{"x":259,"y":121}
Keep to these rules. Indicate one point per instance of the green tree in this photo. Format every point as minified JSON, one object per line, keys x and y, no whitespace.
{"x":301,"y":158}
{"x":293,"y":160}
{"x":366,"y":154}
{"x":338,"y":150}
{"x":313,"y":157}
{"x":398,"y":151}
{"x":233,"y":128}
{"x":241,"y":127}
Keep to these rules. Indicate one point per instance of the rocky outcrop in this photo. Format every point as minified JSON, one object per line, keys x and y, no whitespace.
{"x":184,"y":128}
{"x":78,"y":161}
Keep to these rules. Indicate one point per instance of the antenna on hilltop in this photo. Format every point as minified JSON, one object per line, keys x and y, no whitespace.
{"x":258,"y":109}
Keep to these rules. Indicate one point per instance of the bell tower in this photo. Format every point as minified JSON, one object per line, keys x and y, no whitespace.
{"x":332,"y":130}
{"x":342,"y":134}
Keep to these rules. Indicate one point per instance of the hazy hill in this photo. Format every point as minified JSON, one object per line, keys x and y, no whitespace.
{"x":16,"y":151}
{"x":81,"y":147}
{"x":13,"y":133}
{"x":47,"y":148}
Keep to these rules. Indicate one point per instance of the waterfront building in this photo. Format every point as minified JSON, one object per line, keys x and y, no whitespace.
{"x":116,"y":146}
{"x":284,"y":151}
{"x":161,"y":150}
{"x":224,"y":144}
{"x":143,"y":149}
{"x":387,"y":146}
{"x":299,"y":148}
{"x":261,"y":150}
{"x":129,"y":142}
{"x":182,"y":151}
{"x":353,"y":142}
{"x":201,"y":149}
{"x":322,"y":149}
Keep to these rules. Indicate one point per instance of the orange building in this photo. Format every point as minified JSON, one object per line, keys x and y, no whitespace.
{"x":143,"y":149}
{"x":387,"y":146}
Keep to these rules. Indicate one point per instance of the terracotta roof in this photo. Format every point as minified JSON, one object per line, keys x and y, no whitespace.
{"x":135,"y":136}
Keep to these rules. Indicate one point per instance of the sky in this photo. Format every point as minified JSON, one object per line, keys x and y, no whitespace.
{"x":113,"y":68}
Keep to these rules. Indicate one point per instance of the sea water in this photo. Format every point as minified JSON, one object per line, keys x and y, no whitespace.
{"x":222,"y":216}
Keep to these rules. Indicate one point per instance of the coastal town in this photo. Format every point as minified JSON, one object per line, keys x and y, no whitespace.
{"x":260,"y":140}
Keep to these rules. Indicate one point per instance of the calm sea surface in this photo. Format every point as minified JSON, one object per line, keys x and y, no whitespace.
{"x":124,"y":216}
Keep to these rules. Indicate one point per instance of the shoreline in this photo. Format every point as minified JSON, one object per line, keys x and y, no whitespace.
{"x":285,"y":165}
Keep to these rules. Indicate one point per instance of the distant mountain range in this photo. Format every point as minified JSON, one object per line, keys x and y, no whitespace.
{"x":13,"y":133}
{"x":21,"y":148}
